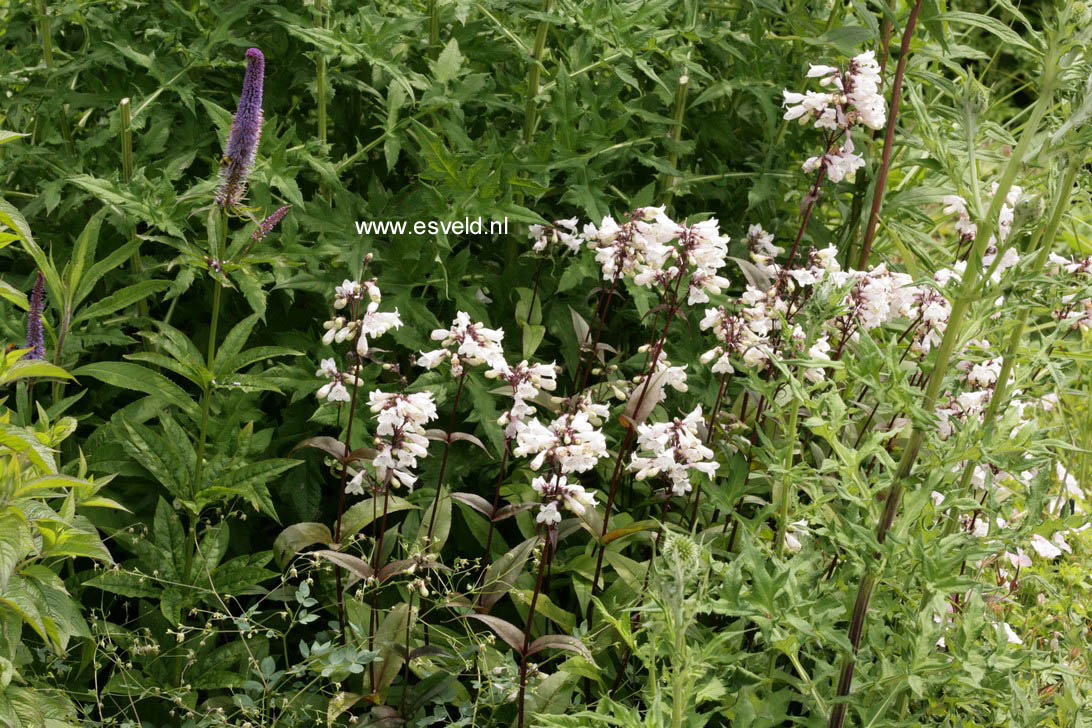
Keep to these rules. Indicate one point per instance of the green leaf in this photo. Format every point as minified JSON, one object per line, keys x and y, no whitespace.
{"x":140,"y":379}
{"x":10,"y":136}
{"x":446,"y":68}
{"x":13,"y":296}
{"x":126,"y":583}
{"x":121,"y":299}
{"x":298,"y":536}
{"x":502,"y":573}
{"x":1004,"y":33}
{"x":83,"y":255}
{"x":361,"y":514}
{"x":26,"y":368}
{"x":170,"y":536}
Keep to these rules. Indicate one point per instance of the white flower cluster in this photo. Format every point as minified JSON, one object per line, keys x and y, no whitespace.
{"x":556,"y":490}
{"x":969,"y":231}
{"x":1077,"y":311}
{"x":466,"y":342}
{"x":527,"y":381}
{"x":571,"y":443}
{"x":673,"y":449}
{"x":337,"y":389}
{"x":401,"y":437}
{"x":359,"y":325}
{"x":561,"y":231}
{"x":854,"y":98}
{"x":656,"y":251}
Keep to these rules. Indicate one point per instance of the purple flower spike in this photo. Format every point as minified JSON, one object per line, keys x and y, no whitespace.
{"x":269,"y":223}
{"x":35,"y":337}
{"x":246,"y":130}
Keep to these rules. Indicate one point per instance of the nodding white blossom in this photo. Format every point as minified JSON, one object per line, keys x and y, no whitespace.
{"x":763,"y":251}
{"x":360,"y":325}
{"x":1010,"y":636}
{"x":561,"y":231}
{"x":840,"y":162}
{"x":337,"y":389}
{"x":556,"y":489}
{"x":956,"y":205}
{"x":473,"y":344}
{"x":854,"y":99}
{"x":1047,"y":549}
{"x":656,"y":251}
{"x":571,"y":443}
{"x":673,"y":449}
{"x":820,"y":351}
{"x":854,"y":96}
{"x":526,"y":380}
{"x":400,"y":437}
{"x":793,"y":533}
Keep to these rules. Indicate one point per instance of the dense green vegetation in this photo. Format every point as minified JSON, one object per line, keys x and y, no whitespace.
{"x":770,"y":405}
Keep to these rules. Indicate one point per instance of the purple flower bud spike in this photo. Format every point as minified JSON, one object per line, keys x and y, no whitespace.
{"x":35,"y":337}
{"x":266,"y":227}
{"x":246,"y":131}
{"x":269,"y":223}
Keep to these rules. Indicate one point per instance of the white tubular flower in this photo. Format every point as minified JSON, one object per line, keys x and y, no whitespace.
{"x":1044,"y":548}
{"x":819,"y":351}
{"x":673,"y":449}
{"x":1010,"y":636}
{"x":337,"y":389}
{"x":526,"y":380}
{"x":549,"y":515}
{"x":401,"y":434}
{"x":371,"y":322}
{"x":555,"y":490}
{"x":571,"y":443}
{"x":561,"y":231}
{"x":466,"y":342}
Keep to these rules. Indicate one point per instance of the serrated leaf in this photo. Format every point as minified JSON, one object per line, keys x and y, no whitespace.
{"x":140,"y":379}
{"x":447,"y":65}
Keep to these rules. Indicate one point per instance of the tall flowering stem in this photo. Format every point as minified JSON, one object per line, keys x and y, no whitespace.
{"x":631,"y":434}
{"x":889,"y":138}
{"x":936,"y":378}
{"x":443,"y":461}
{"x":246,"y":131}
{"x":546,"y":556}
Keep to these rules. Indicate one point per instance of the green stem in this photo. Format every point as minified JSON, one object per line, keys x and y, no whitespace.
{"x":320,"y":76}
{"x":786,"y":487}
{"x":126,"y":113}
{"x":676,"y":131}
{"x":46,"y":33}
{"x":534,"y":74}
{"x":965,"y":295}
{"x":206,"y":394}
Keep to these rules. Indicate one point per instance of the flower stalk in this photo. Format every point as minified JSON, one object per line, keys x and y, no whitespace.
{"x":936,"y":378}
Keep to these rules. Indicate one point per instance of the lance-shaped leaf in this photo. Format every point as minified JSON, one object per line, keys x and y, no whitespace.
{"x":359,"y":567}
{"x":298,"y":536}
{"x":560,"y":642}
{"x":644,"y":398}
{"x":364,"y":512}
{"x":140,"y":379}
{"x":507,"y":631}
{"x":501,"y":574}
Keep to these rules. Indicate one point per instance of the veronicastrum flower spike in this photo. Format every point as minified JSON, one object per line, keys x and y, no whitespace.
{"x":246,"y":130}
